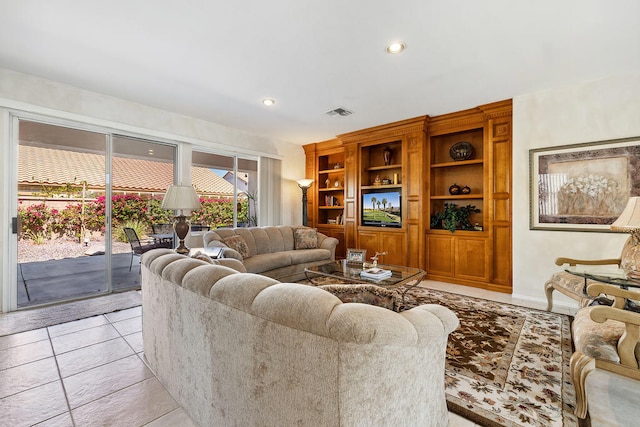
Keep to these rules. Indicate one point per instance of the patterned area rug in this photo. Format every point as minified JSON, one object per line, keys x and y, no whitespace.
{"x":506,"y":365}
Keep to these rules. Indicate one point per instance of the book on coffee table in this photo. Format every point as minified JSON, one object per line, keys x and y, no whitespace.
{"x":375,"y":273}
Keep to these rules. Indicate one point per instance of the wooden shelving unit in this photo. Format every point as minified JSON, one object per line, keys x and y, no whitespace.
{"x":325,"y":163}
{"x":421,"y":169}
{"x":481,"y":257}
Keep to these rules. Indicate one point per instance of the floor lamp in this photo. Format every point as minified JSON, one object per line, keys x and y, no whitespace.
{"x":181,"y":198}
{"x":304,"y":185}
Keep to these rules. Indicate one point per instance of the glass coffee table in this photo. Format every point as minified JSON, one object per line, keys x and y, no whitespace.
{"x":342,"y":271}
{"x":613,"y":277}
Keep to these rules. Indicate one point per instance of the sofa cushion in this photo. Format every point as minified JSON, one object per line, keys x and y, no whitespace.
{"x":308,"y":255}
{"x":202,"y":257}
{"x":238,"y":244}
{"x":266,"y":262}
{"x":598,"y":340}
{"x":305,"y":238}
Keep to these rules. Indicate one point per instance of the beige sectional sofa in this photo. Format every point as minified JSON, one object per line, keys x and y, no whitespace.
{"x":241,"y":349}
{"x":281,"y":252}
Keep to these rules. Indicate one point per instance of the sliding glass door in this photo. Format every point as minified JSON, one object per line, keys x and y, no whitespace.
{"x":141,"y":170}
{"x":60,"y":220}
{"x":77,"y":192}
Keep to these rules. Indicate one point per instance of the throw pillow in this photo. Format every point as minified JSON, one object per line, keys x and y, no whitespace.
{"x":202,"y":257}
{"x":238,"y":244}
{"x":305,"y":238}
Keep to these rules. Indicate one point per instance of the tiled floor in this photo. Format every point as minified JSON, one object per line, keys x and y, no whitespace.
{"x":91,"y":372}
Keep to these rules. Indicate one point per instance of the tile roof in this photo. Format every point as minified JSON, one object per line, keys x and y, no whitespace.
{"x":40,"y":165}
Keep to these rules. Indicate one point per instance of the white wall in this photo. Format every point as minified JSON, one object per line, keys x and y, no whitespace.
{"x":592,"y":111}
{"x":34,"y":94}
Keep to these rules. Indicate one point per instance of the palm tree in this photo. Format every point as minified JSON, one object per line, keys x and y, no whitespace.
{"x":373,"y":202}
{"x":378,"y":203}
{"x":384,"y":204}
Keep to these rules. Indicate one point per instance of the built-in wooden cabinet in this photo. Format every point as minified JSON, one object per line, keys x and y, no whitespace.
{"x":325,"y":164}
{"x":457,"y":181}
{"x":358,"y":175}
{"x":481,"y":257}
{"x":385,"y":189}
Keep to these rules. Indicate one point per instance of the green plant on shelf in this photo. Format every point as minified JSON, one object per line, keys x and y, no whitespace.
{"x":453,"y":217}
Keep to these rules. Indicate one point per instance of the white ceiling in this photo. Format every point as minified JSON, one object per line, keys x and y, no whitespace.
{"x":216,"y":60}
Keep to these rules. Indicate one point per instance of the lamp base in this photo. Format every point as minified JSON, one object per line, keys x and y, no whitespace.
{"x":182,"y":228}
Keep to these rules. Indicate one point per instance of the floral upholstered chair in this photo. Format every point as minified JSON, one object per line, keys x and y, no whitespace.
{"x":606,"y":340}
{"x":574,"y":287}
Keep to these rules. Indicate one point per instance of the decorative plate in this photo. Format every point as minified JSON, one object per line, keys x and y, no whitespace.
{"x":461,"y":151}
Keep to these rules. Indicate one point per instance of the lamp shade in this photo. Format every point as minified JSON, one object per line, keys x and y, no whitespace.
{"x":629,"y":219}
{"x":181,"y":197}
{"x":305,"y":183}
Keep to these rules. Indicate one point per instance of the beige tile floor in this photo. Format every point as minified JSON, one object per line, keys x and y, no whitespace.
{"x":91,"y":372}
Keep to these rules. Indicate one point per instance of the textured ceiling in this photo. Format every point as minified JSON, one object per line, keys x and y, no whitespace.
{"x":216,"y":60}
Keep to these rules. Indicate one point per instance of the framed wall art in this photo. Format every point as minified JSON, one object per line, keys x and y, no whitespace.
{"x":583,"y":187}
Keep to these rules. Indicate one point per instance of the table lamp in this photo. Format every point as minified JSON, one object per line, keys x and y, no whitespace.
{"x":181,"y":198}
{"x":629,"y":222}
{"x":304,"y":185}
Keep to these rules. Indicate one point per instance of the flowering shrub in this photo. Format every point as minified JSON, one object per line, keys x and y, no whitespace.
{"x":69,"y":221}
{"x":214,"y":212}
{"x":39,"y":222}
{"x":36,"y":221}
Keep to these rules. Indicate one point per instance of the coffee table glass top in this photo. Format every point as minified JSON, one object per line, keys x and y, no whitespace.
{"x":605,"y":275}
{"x":350,"y":272}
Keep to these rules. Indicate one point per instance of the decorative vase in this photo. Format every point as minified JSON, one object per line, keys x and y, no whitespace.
{"x":461,"y":151}
{"x":387,"y":154}
{"x":454,"y":190}
{"x":465,"y":190}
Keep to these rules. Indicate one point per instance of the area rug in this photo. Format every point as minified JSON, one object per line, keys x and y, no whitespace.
{"x":506,"y":365}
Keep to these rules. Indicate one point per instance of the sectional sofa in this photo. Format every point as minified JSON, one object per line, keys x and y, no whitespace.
{"x":280,"y":252}
{"x":241,"y":349}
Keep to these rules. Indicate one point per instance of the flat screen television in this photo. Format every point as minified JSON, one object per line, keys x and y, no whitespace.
{"x":382,"y":209}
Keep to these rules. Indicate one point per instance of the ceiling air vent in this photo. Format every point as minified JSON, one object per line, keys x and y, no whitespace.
{"x":339,"y":112}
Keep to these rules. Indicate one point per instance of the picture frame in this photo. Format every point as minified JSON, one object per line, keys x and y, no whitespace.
{"x":356,"y":256}
{"x":582,"y":187}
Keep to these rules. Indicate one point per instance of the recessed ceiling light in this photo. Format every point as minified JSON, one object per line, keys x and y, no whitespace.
{"x":268,"y":102}
{"x":396,"y":47}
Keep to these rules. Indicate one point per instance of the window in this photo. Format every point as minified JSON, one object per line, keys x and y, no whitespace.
{"x":227,"y":187}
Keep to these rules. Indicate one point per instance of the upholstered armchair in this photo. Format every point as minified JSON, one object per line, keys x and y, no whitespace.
{"x":574,"y":286}
{"x":606,"y":340}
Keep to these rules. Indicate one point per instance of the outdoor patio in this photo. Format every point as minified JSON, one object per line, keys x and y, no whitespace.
{"x":68,"y":278}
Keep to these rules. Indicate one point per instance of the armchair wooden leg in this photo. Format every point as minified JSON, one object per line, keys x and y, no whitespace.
{"x":548,"y":290}
{"x":581,"y":366}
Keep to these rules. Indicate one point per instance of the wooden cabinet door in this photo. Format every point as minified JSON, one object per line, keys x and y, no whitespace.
{"x":370,"y":241}
{"x":379,"y":241}
{"x":440,"y":255}
{"x":395,"y":246}
{"x":472,"y":255}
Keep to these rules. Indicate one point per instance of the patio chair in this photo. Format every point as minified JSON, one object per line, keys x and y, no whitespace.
{"x":200,"y":227}
{"x":162,"y":228}
{"x":138,"y":248}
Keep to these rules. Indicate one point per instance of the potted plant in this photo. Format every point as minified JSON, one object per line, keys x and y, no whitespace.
{"x":454,"y":217}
